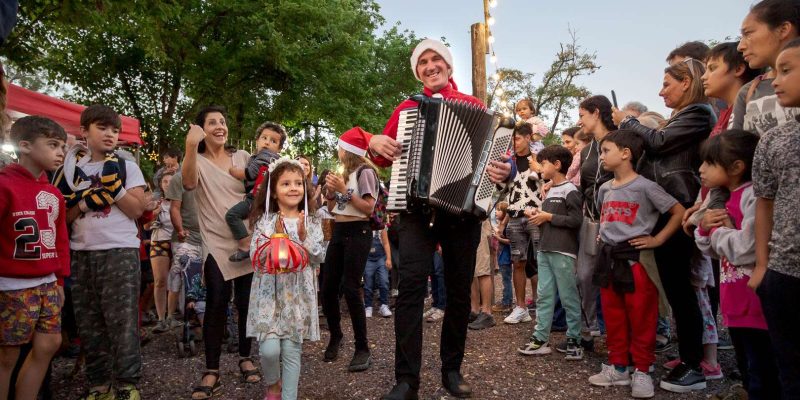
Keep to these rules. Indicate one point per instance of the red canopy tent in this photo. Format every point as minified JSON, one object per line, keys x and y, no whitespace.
{"x":65,"y":113}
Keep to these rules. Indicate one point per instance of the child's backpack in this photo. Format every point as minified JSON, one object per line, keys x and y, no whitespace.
{"x":378,"y":218}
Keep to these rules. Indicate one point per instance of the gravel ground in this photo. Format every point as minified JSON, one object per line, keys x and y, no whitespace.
{"x":491,"y":365}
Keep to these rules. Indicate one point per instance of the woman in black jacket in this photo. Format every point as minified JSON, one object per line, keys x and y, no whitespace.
{"x":672,"y":160}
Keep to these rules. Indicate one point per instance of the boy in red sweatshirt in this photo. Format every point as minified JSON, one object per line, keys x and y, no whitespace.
{"x":34,"y":263}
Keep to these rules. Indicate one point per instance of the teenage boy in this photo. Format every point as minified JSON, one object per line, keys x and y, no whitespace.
{"x":34,"y":254}
{"x":776,"y":183}
{"x":270,"y":138}
{"x":559,"y":219}
{"x":726,"y":73}
{"x":523,"y":193}
{"x":630,"y":207}
{"x":106,"y":274}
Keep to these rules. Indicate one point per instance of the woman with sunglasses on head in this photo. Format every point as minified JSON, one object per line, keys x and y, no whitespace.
{"x":672,"y":160}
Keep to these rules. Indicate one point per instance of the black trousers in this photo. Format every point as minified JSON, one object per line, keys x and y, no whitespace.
{"x":756,"y":363}
{"x":674,"y":267}
{"x":345,"y":261}
{"x":780,"y":295}
{"x":218,"y":294}
{"x":459,"y":239}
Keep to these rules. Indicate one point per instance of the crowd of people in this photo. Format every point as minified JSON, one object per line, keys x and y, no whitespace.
{"x":635,"y":224}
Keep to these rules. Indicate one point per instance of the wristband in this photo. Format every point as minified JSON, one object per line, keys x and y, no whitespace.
{"x":343,"y":199}
{"x":121,"y":194}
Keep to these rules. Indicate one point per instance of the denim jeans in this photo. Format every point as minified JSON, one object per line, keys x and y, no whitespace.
{"x":280,"y":361}
{"x":437,"y":282}
{"x":376,"y":272}
{"x":508,"y":289}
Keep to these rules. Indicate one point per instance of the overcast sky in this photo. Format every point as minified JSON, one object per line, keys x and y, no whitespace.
{"x":631,"y":38}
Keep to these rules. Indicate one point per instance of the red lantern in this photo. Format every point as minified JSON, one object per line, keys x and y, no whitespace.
{"x":280,"y":254}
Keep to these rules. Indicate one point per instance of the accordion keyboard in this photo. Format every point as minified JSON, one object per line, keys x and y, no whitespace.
{"x":399,"y":180}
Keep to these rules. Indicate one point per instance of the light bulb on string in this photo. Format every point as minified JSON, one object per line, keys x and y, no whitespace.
{"x":493,"y":3}
{"x":490,"y":21}
{"x":490,"y":39}
{"x":499,"y":91}
{"x":493,"y":59}
{"x":503,"y":103}
{"x":496,"y":77}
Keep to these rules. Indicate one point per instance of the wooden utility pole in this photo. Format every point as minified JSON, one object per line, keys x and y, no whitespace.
{"x":488,"y":31}
{"x":479,"y":49}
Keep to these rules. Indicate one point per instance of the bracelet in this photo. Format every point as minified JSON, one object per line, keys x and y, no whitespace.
{"x":343,"y":199}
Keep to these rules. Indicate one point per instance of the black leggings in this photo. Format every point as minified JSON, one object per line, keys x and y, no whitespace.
{"x":674,"y":268}
{"x":218,"y":294}
{"x":344,"y":268}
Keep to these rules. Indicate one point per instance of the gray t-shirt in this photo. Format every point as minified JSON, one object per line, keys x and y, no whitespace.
{"x":776,"y":176}
{"x":175,"y":192}
{"x":631,"y":210}
{"x":762,"y":112}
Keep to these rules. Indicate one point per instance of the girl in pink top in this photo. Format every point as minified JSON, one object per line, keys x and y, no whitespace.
{"x":729,"y":235}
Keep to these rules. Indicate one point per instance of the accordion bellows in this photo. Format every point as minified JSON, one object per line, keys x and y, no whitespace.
{"x":446,"y":146}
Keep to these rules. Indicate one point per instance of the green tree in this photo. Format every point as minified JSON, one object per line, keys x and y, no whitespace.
{"x":315,"y":65}
{"x":556,"y":93}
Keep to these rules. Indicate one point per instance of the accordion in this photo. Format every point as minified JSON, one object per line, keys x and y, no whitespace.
{"x":446,"y":146}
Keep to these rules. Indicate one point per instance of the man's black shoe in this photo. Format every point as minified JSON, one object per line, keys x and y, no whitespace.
{"x":401,"y":391}
{"x":332,"y":351}
{"x":684,"y":379}
{"x":455,"y":384}
{"x":360,"y":362}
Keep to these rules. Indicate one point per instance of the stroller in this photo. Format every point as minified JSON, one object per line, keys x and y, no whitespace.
{"x":193,"y":291}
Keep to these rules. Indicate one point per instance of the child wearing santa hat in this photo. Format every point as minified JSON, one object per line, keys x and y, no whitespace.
{"x":351,"y":198}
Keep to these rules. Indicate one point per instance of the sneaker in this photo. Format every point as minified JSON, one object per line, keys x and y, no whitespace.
{"x":663,"y":345}
{"x":518,"y":315}
{"x":173,"y":323}
{"x":609,"y":376}
{"x":393,"y":293}
{"x":586,"y":344}
{"x":683,"y":379}
{"x":428,"y":312}
{"x":473,"y":316}
{"x":482,"y":322}
{"x":161,"y":327}
{"x":535,"y":347}
{"x":128,"y":392}
{"x":641,"y":385}
{"x":384,"y":311}
{"x":596,"y":333}
{"x":711,"y":373}
{"x":574,"y":350}
{"x":368,"y":312}
{"x":360,"y":362}
{"x":531,"y":304}
{"x":501,"y":308}
{"x":95,"y":395}
{"x":670,"y":365}
{"x":435,"y":316}
{"x":240,"y":255}
{"x":332,"y":351}
{"x":724,"y":343}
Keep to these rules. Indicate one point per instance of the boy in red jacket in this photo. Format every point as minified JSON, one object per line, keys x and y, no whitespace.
{"x":34,"y":263}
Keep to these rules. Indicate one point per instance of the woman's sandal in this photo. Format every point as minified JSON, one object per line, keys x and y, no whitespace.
{"x":207,"y":391}
{"x":247,"y":374}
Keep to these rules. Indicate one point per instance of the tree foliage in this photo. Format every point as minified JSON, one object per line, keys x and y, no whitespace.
{"x":317,"y":66}
{"x":557,"y":92}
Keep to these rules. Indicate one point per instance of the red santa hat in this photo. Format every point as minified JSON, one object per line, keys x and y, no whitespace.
{"x":355,"y":140}
{"x":431,"y":44}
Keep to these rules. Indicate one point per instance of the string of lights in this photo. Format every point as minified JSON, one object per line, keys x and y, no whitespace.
{"x":498,"y":91}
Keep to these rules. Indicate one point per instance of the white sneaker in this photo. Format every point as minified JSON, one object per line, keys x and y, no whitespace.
{"x":519,"y":314}
{"x":641,"y":385}
{"x":609,"y":376}
{"x":368,"y":312}
{"x":428,"y":312}
{"x":436,"y":315}
{"x":385,"y":311}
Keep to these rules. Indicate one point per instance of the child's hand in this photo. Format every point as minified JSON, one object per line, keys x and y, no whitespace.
{"x":756,"y":277}
{"x":540,"y":217}
{"x":645,"y":242}
{"x":182,"y":235}
{"x":335,"y":183}
{"x":715,"y":218}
